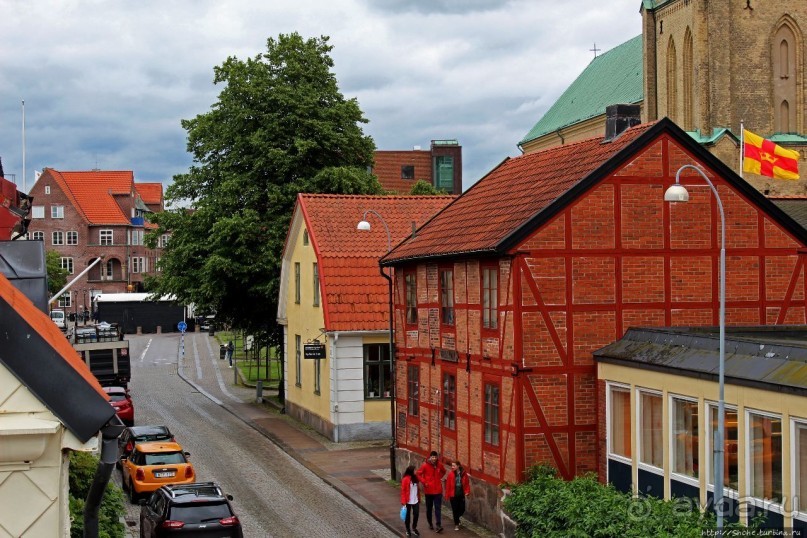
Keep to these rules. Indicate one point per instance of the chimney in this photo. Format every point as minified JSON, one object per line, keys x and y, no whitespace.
{"x":618,"y":118}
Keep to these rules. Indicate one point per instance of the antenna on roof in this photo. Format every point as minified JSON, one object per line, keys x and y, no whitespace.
{"x":23,"y":146}
{"x":595,"y":50}
{"x":96,"y":169}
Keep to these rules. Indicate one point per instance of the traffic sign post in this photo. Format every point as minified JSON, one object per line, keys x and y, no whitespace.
{"x":182,"y":326}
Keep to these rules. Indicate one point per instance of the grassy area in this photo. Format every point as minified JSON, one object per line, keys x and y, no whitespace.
{"x":251,"y":367}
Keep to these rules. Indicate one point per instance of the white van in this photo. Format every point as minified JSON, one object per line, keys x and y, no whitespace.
{"x":58,"y":318}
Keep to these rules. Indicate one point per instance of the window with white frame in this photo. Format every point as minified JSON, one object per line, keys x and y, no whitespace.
{"x":106,"y":270}
{"x":38,"y":236}
{"x":105,"y":237}
{"x":136,"y":237}
{"x":449,"y":401}
{"x":765,"y":456}
{"x":164,"y":240}
{"x":38,"y":212}
{"x":138,"y":265}
{"x":377,"y":371}
{"x":619,"y":422}
{"x":800,"y":466}
{"x":490,"y":297}
{"x":685,"y":437}
{"x":157,"y":266}
{"x":57,"y":238}
{"x":651,"y":445}
{"x":57,"y":211}
{"x":65,"y":301}
{"x":316,"y":284}
{"x":297,"y":282}
{"x":730,"y":446}
{"x":491,"y":418}
{"x":47,"y":189}
{"x":67,"y":264}
{"x":72,"y":238}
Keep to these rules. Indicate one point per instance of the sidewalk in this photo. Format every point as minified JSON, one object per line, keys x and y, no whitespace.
{"x":358,"y":470}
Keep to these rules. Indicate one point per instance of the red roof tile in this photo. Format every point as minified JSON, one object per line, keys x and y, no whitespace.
{"x":150,"y":193}
{"x":509,"y":196}
{"x":92,"y":193}
{"x":355,"y":295}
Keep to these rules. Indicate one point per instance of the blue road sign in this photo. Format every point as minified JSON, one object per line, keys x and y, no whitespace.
{"x":182,"y":326}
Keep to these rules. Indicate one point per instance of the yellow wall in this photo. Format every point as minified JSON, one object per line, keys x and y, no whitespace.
{"x":787,"y":406}
{"x":305,"y":320}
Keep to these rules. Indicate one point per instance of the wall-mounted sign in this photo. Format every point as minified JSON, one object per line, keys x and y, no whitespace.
{"x":314,"y":351}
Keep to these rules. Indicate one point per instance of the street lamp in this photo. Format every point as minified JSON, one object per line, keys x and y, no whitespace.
{"x":678,"y":193}
{"x":364,"y":226}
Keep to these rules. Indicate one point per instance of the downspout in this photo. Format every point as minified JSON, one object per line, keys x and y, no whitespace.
{"x":109,"y":456}
{"x":335,"y":371}
{"x":393,"y":366}
{"x":560,"y":135}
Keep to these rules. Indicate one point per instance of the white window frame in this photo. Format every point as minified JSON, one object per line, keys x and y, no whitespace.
{"x":164,"y":240}
{"x":65,"y":301}
{"x":47,"y":189}
{"x":38,"y":212}
{"x":639,"y":456}
{"x":57,"y":234}
{"x":57,"y":211}
{"x":694,"y":481}
{"x":68,"y":235}
{"x":765,"y":504}
{"x":799,"y":508}
{"x":102,"y":233}
{"x":38,"y":235}
{"x":298,"y":362}
{"x":67,"y":261}
{"x":608,"y":407}
{"x":137,"y":264}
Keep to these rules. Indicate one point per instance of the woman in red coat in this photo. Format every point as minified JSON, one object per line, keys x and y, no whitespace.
{"x":457,"y":488}
{"x":410,"y":497}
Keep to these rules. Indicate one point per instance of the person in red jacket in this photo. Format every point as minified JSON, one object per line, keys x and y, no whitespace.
{"x":410,"y":497}
{"x":431,"y":474}
{"x":458,"y":486}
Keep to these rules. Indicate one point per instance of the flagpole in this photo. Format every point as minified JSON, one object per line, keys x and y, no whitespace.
{"x":24,"y":189}
{"x":742,"y":146}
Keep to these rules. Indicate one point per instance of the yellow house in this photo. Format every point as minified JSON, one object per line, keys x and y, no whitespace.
{"x":658,"y":395}
{"x":50,"y":404}
{"x":334,"y":308}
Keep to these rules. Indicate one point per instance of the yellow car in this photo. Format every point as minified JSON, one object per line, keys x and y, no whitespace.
{"x":151,"y":465}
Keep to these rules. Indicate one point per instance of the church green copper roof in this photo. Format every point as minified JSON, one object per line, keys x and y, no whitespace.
{"x":613,"y":78}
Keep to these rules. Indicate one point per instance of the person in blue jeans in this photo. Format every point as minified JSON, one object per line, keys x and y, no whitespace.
{"x":431,"y":474}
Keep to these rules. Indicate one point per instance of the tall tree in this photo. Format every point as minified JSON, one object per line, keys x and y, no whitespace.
{"x":280,"y":127}
{"x":57,"y":276}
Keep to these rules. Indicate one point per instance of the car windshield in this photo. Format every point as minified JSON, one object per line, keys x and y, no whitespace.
{"x":116,"y":396}
{"x":164,"y":458}
{"x":200,"y":512}
{"x":152,"y":437}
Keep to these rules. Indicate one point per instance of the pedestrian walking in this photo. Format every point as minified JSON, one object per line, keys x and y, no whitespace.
{"x":431,"y":474}
{"x":410,"y":497}
{"x":458,"y":486}
{"x":230,"y":349}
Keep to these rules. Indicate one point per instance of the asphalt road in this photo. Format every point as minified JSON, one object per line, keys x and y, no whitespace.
{"x":274,"y":496}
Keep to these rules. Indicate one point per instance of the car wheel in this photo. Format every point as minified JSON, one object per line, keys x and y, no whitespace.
{"x":132,"y":493}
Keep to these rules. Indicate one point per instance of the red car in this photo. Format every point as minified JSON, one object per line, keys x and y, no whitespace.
{"x":122,"y":402}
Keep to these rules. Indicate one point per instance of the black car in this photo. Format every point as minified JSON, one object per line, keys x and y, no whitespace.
{"x":140,"y":434}
{"x":198,"y":509}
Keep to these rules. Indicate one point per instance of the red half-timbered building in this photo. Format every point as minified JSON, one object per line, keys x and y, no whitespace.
{"x":501,"y":298}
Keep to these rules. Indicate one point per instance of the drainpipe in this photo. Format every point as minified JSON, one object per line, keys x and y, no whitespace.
{"x":336,"y":420}
{"x":109,"y":455}
{"x":394,"y":442}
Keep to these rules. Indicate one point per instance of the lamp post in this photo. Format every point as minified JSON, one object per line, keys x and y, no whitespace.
{"x":678,"y":193}
{"x":364,"y":225}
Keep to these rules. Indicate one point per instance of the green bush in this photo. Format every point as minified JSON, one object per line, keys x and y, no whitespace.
{"x":82,"y":471}
{"x":550,"y":507}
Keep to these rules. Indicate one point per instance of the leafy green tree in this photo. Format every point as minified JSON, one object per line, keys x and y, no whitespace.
{"x":280,"y":127}
{"x":57,"y":277}
{"x":421,"y":187}
{"x":80,"y":477}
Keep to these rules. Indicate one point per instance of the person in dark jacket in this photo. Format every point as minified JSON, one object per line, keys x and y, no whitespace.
{"x":458,"y":486}
{"x":410,"y":497}
{"x":431,"y":474}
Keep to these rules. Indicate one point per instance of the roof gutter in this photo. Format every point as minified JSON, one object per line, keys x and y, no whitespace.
{"x":109,"y":455}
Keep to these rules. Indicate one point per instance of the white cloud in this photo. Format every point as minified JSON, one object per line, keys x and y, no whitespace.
{"x":107,"y":83}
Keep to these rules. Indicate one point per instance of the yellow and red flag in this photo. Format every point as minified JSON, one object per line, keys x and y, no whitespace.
{"x":762,"y":156}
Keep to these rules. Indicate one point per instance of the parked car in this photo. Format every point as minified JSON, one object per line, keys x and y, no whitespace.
{"x":199,"y":509}
{"x":140,"y":434}
{"x":58,"y":318}
{"x":151,"y":465}
{"x":122,"y":402}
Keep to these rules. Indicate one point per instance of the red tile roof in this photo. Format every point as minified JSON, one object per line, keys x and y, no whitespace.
{"x":151,"y":193}
{"x":509,"y":196}
{"x":92,"y":193}
{"x":355,"y":295}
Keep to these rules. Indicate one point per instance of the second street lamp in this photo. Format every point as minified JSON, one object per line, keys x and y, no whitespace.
{"x":678,"y":193}
{"x":364,"y":225}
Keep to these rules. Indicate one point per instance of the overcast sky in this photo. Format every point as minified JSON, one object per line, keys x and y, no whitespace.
{"x":106,"y":82}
